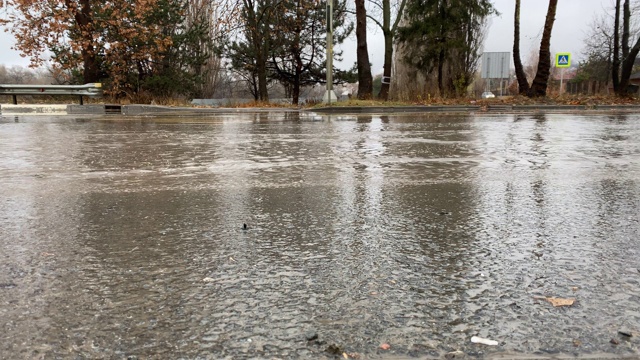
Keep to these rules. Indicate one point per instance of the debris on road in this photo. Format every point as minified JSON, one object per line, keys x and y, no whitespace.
{"x":557,"y":302}
{"x":479,"y":340}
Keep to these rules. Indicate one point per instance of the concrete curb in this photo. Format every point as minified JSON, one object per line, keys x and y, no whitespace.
{"x":392,"y":109}
{"x":90,"y":109}
{"x":153,"y":110}
{"x":457,"y":109}
{"x":33,"y":109}
{"x":141,"y":110}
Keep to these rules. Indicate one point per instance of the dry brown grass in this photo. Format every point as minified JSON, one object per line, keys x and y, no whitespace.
{"x":591,"y":100}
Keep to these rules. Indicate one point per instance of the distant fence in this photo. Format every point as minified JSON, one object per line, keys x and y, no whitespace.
{"x":586,"y":88}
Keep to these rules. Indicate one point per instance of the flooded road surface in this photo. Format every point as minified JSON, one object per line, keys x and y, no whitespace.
{"x":122,"y":238}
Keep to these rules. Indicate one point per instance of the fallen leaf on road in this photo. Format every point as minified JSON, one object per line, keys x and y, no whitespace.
{"x":556,"y":302}
{"x":577,"y":343}
{"x":385,"y":346}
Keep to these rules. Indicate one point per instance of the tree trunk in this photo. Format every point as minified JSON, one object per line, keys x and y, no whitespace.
{"x":389,"y":31}
{"x":386,"y":70}
{"x":441,"y":56}
{"x":615,"y":66}
{"x":91,"y":72}
{"x":297,"y":77}
{"x":365,"y":81}
{"x":539,"y":86}
{"x":263,"y":93}
{"x":626,"y":17}
{"x":295,"y":94}
{"x":254,"y":88}
{"x":523,"y":83}
{"x":441,"y":73}
{"x":388,"y":50}
{"x":260,"y":46}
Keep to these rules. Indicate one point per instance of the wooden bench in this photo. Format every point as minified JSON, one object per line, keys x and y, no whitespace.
{"x":90,"y":90}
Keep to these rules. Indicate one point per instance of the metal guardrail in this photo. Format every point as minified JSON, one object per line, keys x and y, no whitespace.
{"x":90,"y":90}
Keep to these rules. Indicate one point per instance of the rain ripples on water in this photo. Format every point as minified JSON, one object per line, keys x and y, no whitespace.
{"x":123,"y":237}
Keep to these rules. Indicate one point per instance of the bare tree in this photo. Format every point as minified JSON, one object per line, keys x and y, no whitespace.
{"x":390,"y":12}
{"x":597,"y":68}
{"x":21,"y":75}
{"x":608,"y":49}
{"x":629,"y":55}
{"x":219,"y":17}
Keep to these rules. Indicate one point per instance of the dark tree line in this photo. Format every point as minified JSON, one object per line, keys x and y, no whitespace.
{"x":174,"y":47}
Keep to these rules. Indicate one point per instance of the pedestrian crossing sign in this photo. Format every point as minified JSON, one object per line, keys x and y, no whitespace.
{"x":563,"y":60}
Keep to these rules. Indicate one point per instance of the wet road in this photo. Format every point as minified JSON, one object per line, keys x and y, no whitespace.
{"x":123,"y":238}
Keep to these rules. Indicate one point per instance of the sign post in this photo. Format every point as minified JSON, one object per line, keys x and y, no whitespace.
{"x":495,"y":65}
{"x":563,"y":61}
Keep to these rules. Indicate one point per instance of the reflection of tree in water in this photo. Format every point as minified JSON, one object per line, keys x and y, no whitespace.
{"x":617,"y":193}
{"x":147,"y":249}
{"x":360,"y":180}
{"x":426,"y":228}
{"x":616,"y":144}
{"x":539,"y":143}
{"x":42,"y":254}
{"x":511,"y":217}
{"x":41,"y":287}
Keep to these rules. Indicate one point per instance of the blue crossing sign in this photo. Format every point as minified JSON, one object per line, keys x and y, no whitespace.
{"x":563,"y":60}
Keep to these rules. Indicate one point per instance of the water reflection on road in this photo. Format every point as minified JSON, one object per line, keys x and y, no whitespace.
{"x":123,"y":237}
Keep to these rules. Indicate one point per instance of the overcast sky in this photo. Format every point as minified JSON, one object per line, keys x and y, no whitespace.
{"x":572,"y":21}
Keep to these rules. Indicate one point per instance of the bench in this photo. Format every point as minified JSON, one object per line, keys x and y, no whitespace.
{"x":90,"y":90}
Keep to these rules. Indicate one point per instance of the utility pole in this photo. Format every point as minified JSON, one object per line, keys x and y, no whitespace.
{"x":329,"y":95}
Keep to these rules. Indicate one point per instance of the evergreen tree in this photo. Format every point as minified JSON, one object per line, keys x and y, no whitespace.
{"x":250,"y":54}
{"x":444,"y":36}
{"x":181,"y":70}
{"x":299,"y":38}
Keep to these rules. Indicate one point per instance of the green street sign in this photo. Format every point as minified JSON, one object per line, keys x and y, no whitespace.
{"x":563,"y":60}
